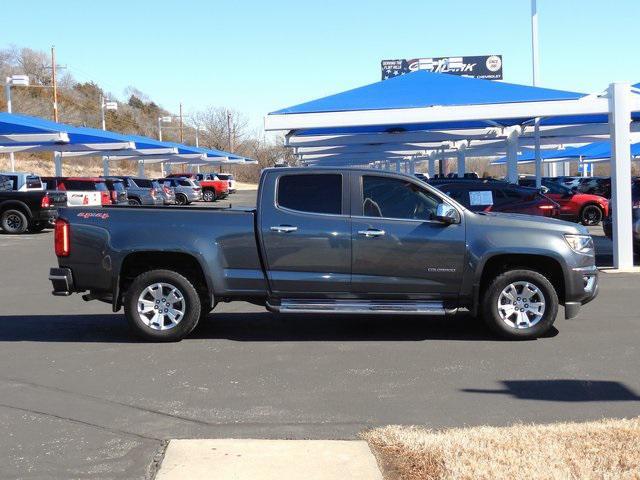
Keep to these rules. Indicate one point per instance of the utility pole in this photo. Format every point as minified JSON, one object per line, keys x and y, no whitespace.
{"x":229,"y":137}
{"x":181,"y":131}
{"x":55,"y":85}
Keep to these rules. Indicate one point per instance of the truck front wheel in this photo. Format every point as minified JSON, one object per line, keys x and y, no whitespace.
{"x":520,"y":304}
{"x":162,"y":306}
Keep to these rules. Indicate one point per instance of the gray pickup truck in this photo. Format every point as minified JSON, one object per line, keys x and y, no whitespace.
{"x":324,"y":241}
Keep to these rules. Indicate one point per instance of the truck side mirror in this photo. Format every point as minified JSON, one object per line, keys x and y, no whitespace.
{"x":446,"y":214}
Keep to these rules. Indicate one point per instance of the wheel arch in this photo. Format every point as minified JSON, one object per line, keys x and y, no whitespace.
{"x":135,"y":263}
{"x":16,"y":205}
{"x":546,"y":265}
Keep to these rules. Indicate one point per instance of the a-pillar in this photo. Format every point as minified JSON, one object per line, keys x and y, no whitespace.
{"x":512,"y":157}
{"x":619,"y":94}
{"x":105,"y":166}
{"x":461,"y":161}
{"x":57,"y":162}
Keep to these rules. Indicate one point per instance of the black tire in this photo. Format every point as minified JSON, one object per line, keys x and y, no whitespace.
{"x":134,"y":202}
{"x":591,"y":214}
{"x":37,"y":227}
{"x":492,"y":295}
{"x":190,"y":303}
{"x":181,"y":199}
{"x":209,"y":195}
{"x":13,"y":221}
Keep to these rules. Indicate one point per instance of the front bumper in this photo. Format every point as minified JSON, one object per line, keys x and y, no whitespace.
{"x":581,"y":289}
{"x":62,"y":281}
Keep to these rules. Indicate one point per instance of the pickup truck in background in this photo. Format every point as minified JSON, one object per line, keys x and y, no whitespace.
{"x":23,"y":182}
{"x":32,"y":210}
{"x":81,"y":191}
{"x":328,"y":241}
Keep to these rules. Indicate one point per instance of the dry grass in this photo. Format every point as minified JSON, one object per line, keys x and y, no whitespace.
{"x":606,"y":449}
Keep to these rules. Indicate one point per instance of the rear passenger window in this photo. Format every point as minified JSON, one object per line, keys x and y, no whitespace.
{"x":314,"y":193}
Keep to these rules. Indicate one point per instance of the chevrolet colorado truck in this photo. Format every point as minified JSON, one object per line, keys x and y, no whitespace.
{"x":326,"y":241}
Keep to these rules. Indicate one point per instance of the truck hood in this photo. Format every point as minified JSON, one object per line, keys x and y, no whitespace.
{"x":518,"y":220}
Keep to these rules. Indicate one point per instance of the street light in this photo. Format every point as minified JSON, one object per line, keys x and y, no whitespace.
{"x":14,"y":81}
{"x":162,"y":120}
{"x":106,"y":105}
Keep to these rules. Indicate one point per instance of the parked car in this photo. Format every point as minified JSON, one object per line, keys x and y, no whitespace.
{"x":23,"y":182}
{"x":31,"y":210}
{"x":228,"y":177}
{"x":186,"y":189}
{"x":81,"y":191}
{"x":566,"y":181}
{"x":596,"y":186}
{"x":167,"y":193}
{"x":422,"y":176}
{"x":497,"y":196}
{"x":607,"y":223}
{"x":574,"y":206}
{"x":140,"y":191}
{"x":213,"y":190}
{"x":328,"y":241}
{"x":117,"y":191}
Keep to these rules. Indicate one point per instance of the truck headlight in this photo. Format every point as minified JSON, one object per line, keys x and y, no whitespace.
{"x":580,"y":243}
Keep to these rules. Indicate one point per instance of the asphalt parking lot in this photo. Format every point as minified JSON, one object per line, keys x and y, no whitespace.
{"x":79,"y":397}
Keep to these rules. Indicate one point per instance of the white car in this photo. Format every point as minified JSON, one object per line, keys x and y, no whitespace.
{"x":228,"y":177}
{"x":24,"y":182}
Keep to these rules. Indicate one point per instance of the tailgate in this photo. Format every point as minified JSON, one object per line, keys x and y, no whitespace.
{"x":84,"y":199}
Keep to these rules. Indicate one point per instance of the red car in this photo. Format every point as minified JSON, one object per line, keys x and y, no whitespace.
{"x":575,"y":206}
{"x":496,"y":196}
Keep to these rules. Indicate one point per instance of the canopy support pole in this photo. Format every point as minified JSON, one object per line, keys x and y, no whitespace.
{"x":538,"y":157}
{"x":432,"y":166}
{"x":398,"y":166}
{"x":512,"y":157}
{"x":461,"y":161}
{"x":57,"y":162}
{"x":105,"y":166}
{"x":619,"y":123}
{"x":141,"y":168}
{"x":442,"y":165}
{"x":412,"y":166}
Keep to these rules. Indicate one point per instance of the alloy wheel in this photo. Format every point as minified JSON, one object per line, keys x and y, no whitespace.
{"x":161,"y":306}
{"x":521,"y":305}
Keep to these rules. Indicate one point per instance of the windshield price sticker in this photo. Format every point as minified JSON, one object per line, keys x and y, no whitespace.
{"x":484,"y":197}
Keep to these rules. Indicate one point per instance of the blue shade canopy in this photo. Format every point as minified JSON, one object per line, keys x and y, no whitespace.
{"x":11,"y":123}
{"x":426,"y":89}
{"x":592,"y":151}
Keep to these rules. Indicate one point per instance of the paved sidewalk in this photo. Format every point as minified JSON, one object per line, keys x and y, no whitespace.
{"x":268,"y":460}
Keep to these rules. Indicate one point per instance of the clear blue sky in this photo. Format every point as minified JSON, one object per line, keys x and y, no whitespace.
{"x":259,"y":56}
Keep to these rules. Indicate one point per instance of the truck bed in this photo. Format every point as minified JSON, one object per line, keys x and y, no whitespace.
{"x":221,"y":240}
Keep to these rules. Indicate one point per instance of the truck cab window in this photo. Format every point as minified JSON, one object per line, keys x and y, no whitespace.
{"x":395,"y":198}
{"x":313,"y":193}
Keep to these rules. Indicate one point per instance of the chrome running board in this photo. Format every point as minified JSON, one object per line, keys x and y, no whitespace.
{"x":408,"y":307}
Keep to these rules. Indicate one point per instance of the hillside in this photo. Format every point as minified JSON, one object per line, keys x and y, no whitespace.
{"x":220,"y":127}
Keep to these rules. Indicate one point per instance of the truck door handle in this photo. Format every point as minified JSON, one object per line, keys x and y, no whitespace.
{"x":372,"y":232}
{"x":284,"y":229}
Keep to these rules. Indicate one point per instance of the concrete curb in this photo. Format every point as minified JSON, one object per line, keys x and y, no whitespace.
{"x":240,"y":459}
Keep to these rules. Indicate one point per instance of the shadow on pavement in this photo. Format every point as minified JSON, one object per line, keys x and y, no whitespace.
{"x":251,"y":327}
{"x":564,"y":390}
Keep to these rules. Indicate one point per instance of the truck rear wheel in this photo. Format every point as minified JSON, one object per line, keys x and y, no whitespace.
{"x":13,"y":221}
{"x":162,"y":306}
{"x":209,"y":195}
{"x":520,"y":304}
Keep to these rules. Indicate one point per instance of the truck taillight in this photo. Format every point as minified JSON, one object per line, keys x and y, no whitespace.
{"x":114,"y":196}
{"x":61,"y":238}
{"x":46,"y":201}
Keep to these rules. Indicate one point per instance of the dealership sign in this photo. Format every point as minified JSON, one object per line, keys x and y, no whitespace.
{"x":488,"y":67}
